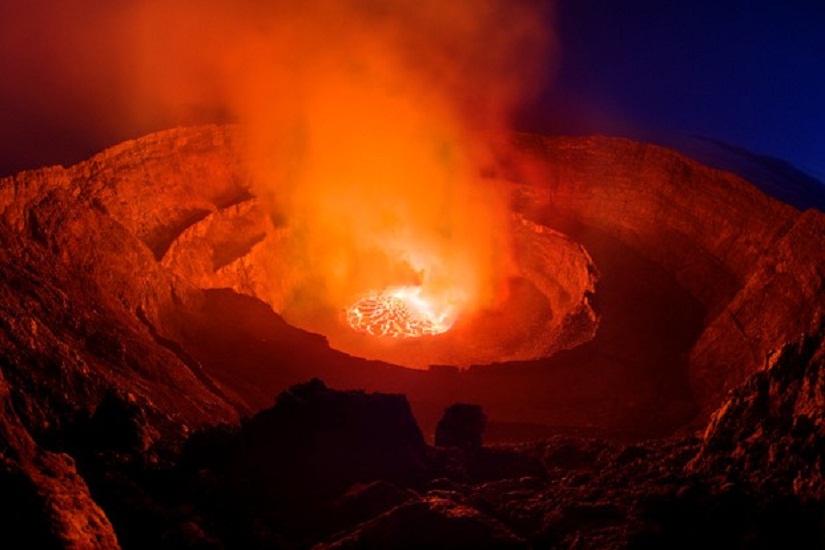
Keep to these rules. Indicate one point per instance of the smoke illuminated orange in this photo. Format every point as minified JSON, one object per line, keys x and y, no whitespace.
{"x":367,"y":123}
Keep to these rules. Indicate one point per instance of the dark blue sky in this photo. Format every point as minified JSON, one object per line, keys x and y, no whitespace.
{"x":748,"y":73}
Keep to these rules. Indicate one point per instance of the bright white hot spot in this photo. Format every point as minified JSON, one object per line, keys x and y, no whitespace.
{"x":398,"y":312}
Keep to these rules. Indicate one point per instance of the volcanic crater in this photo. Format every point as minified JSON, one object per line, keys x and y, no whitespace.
{"x":604,"y":231}
{"x":633,"y":304}
{"x":147,"y":296}
{"x":545,"y":308}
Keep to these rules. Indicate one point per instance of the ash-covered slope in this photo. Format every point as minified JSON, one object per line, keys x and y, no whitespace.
{"x":117,"y":340}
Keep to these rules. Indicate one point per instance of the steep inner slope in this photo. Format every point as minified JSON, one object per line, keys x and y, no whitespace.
{"x":546,"y":308}
{"x":720,"y":239}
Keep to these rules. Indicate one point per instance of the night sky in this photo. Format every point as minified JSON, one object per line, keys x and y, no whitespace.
{"x":751,"y":74}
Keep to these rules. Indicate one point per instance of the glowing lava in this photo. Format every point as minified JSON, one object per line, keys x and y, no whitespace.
{"x":399,"y":312}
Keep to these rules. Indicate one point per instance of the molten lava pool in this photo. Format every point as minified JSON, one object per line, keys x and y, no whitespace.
{"x":400,"y":312}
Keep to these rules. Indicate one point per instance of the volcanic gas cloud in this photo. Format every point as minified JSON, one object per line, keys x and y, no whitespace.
{"x":371,"y":130}
{"x":370,"y":124}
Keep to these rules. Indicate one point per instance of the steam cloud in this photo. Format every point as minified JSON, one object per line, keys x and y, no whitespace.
{"x":369,"y":123}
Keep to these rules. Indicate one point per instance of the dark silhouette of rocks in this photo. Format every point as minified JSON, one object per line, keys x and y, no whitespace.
{"x":347,"y":467}
{"x":429,"y":523}
{"x":566,"y":491}
{"x":320,"y":441}
{"x":461,"y":426}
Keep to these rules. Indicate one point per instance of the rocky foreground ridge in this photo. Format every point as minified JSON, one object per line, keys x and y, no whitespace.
{"x":132,"y":316}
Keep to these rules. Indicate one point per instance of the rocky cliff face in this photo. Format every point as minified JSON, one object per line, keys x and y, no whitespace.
{"x":45,"y":502}
{"x":754,"y":264}
{"x":664,"y":283}
{"x":85,"y":298}
{"x":772,"y":428}
{"x":83,"y":306}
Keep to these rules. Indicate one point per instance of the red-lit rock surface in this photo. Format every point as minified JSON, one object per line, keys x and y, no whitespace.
{"x":45,"y":503}
{"x":117,"y":342}
{"x":754,"y":264}
{"x":772,"y":428}
{"x":548,"y":308}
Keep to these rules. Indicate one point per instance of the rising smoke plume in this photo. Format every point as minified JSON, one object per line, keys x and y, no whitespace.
{"x":369,"y":124}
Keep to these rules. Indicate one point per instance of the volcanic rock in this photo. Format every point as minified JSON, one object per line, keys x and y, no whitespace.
{"x":430,"y":523}
{"x":365,"y":501}
{"x":45,"y":503}
{"x":318,"y":461}
{"x":320,"y":440}
{"x":771,"y":430}
{"x":461,"y":426}
{"x":773,"y":176}
{"x":85,"y":306}
{"x":660,"y":234}
{"x":136,"y":307}
{"x":727,"y":244}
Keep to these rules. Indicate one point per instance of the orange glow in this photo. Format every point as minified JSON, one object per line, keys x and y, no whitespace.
{"x":387,"y":195}
{"x":369,"y":126}
{"x":399,"y":313}
{"x":367,"y":123}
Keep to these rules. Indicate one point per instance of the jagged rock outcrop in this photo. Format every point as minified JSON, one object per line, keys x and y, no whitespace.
{"x":771,"y":431}
{"x":86,"y":313}
{"x":461,"y":426}
{"x":310,"y":454}
{"x":784,"y":297}
{"x":319,"y":440}
{"x":84,"y":296}
{"x":44,"y":503}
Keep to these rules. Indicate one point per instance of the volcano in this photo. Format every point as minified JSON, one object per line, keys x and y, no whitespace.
{"x":652,"y":373}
